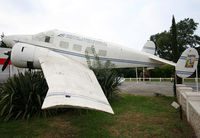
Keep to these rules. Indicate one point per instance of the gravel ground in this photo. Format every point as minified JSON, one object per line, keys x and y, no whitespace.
{"x":147,"y":88}
{"x":150,"y":88}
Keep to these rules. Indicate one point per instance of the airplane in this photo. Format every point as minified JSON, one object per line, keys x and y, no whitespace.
{"x":61,"y":56}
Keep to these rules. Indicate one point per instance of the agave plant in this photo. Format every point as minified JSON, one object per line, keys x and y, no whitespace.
{"x":22,"y":95}
{"x":109,"y":81}
{"x":107,"y":77}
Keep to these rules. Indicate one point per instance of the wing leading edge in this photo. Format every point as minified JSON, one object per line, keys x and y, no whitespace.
{"x":71,"y":84}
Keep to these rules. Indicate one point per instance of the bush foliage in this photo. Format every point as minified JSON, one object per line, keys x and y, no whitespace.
{"x":166,"y":71}
{"x":22,"y":95}
{"x":107,"y":77}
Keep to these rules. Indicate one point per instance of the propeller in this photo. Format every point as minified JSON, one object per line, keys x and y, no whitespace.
{"x":2,"y":35}
{"x":2,"y":44}
{"x":7,"y":60}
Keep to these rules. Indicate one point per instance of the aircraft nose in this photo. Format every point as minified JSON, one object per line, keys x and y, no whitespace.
{"x":8,"y":41}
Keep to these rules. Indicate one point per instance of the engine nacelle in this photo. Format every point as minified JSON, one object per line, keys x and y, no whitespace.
{"x":27,"y":55}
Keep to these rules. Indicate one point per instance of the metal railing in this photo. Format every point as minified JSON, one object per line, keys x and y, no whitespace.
{"x":159,"y":79}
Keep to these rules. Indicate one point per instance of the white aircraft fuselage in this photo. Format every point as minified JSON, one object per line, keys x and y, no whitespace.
{"x":74,"y":46}
{"x":61,"y":56}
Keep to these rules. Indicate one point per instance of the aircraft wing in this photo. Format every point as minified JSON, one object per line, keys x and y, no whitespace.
{"x":164,"y":61}
{"x":71,"y":84}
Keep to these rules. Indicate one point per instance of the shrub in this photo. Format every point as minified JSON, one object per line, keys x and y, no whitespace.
{"x":22,"y":95}
{"x":107,"y":77}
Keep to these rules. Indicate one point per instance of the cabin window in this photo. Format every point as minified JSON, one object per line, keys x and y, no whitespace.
{"x":89,"y":50}
{"x":102,"y":53}
{"x":77,"y":47}
{"x":22,"y":49}
{"x":64,"y":44}
{"x":47,"y":39}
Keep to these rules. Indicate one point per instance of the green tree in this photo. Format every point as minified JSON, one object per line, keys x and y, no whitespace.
{"x":173,"y":33}
{"x":163,"y":45}
{"x":185,"y":34}
{"x":175,"y":53}
{"x":186,"y":37}
{"x":162,"y":71}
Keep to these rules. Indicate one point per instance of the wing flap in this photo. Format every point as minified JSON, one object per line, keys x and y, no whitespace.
{"x":71,"y":84}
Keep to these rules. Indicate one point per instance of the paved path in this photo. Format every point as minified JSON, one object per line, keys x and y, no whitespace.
{"x":147,"y":88}
{"x":150,"y":88}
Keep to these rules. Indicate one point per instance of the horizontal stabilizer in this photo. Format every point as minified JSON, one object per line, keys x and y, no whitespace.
{"x":164,"y":61}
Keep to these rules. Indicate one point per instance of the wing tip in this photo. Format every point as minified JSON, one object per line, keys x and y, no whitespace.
{"x":44,"y":108}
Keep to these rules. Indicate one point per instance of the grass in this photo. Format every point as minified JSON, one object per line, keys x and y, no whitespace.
{"x":135,"y":116}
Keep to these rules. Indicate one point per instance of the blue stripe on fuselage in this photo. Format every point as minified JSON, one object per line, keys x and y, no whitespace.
{"x":104,"y":59}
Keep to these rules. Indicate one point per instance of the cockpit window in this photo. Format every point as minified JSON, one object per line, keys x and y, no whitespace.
{"x":43,"y":38}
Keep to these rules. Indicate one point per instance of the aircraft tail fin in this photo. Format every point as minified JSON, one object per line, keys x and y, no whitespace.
{"x":187,"y":63}
{"x":149,"y":47}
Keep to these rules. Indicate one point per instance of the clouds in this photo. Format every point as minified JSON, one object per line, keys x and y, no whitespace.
{"x":129,"y":22}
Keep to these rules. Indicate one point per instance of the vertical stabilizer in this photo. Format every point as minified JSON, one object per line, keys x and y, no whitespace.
{"x":187,"y":63}
{"x":149,"y":47}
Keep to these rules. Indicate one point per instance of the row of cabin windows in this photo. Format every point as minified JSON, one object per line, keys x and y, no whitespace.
{"x":65,"y":45}
{"x":78,"y":48}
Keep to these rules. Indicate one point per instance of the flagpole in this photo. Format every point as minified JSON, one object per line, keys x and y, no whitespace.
{"x":136,"y":74}
{"x":197,"y":80}
{"x":143,"y":74}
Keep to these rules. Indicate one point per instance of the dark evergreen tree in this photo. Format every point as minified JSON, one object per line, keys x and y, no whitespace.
{"x":174,"y":49}
{"x":173,"y":34}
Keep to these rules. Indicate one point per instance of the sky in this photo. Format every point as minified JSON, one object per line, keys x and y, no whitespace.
{"x":126,"y":22}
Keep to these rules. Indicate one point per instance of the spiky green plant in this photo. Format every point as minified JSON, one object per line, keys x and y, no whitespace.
{"x":22,"y":95}
{"x":108,"y":78}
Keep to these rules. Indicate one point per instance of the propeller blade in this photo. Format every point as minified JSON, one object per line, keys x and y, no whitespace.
{"x":2,"y":44}
{"x":6,"y":63}
{"x":2,"y":35}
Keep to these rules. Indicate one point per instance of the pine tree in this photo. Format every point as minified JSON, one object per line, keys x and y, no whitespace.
{"x":175,"y":53}
{"x":174,"y":40}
